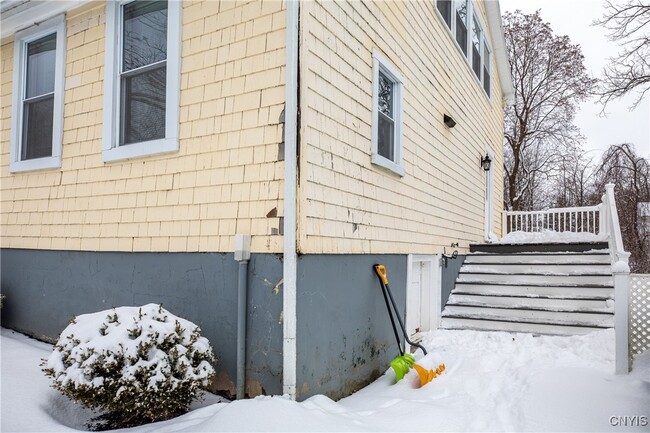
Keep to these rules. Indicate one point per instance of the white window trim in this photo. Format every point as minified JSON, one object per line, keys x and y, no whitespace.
{"x":111,"y":150}
{"x":471,"y":12}
{"x":379,"y":62}
{"x":22,"y":38}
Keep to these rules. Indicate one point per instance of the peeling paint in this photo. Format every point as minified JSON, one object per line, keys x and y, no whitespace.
{"x":276,"y":288}
{"x":223,"y":384}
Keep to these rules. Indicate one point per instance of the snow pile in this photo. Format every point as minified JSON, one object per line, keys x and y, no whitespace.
{"x":494,"y":381}
{"x":549,"y":236}
{"x":139,"y":364}
{"x":620,"y":267}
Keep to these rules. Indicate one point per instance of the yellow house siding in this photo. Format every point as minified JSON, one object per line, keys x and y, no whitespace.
{"x":346,"y":203}
{"x":224,"y":180}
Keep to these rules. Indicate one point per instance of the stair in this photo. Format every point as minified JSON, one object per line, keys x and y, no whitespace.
{"x":556,"y":289}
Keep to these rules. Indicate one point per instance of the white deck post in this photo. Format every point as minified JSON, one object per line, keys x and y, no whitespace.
{"x":621,"y":294}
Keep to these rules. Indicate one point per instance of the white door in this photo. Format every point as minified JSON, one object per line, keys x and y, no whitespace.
{"x":414,"y":300}
{"x":489,"y":198}
{"x":423,"y":294}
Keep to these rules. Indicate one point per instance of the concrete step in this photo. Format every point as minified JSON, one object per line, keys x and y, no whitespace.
{"x":537,"y":269}
{"x":536,"y":258}
{"x":535,"y":291}
{"x":525,"y":279}
{"x":567,"y":305}
{"x":596,"y":320}
{"x":532,"y":328}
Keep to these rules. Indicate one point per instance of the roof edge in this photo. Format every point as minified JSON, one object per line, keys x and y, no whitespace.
{"x":36,"y":14}
{"x":495,"y":23}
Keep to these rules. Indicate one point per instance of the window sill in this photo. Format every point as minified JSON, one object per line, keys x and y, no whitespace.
{"x":46,"y":163}
{"x":387,"y":164}
{"x":140,"y":150}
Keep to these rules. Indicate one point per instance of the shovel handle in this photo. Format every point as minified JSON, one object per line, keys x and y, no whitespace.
{"x":381,"y":271}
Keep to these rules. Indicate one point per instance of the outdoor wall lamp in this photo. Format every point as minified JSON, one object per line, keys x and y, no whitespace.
{"x":449,"y":121}
{"x":485,"y":162}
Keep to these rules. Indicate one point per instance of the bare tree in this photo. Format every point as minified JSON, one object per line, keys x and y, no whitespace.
{"x":550,"y":80}
{"x":630,"y":175}
{"x":573,"y":182}
{"x":628,"y":24}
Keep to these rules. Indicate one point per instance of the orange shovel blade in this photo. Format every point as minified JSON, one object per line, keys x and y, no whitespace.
{"x":426,"y":376}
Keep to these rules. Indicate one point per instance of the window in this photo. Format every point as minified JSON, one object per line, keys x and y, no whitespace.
{"x":461,"y":25}
{"x":142,"y":79}
{"x":475,"y":48}
{"x":37,"y":119}
{"x":486,"y":68}
{"x":444,"y":7}
{"x":386,"y":115}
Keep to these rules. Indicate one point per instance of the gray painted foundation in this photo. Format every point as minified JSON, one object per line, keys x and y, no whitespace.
{"x":449,"y":275}
{"x":45,"y":289}
{"x":344,"y":336}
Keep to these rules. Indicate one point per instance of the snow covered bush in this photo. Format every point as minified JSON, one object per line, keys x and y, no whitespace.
{"x":135,"y":364}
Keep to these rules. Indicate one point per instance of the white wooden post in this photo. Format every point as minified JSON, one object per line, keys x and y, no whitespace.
{"x":621,"y":312}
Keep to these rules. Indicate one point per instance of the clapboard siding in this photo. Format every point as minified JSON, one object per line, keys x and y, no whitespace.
{"x":224,"y":180}
{"x":346,"y":203}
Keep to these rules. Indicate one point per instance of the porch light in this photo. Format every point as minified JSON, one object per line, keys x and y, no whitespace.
{"x":485,"y":162}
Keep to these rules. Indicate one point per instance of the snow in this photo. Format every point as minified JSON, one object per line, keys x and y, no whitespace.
{"x":548,"y":236}
{"x":494,"y":381}
{"x":104,"y":336}
{"x":620,"y":267}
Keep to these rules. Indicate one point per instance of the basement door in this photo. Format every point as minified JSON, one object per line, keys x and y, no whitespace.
{"x":422,"y":294}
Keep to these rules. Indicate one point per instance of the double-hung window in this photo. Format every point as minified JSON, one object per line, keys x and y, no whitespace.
{"x":461,"y":24}
{"x":387,"y":94}
{"x":142,"y":79}
{"x":37,"y":118}
{"x":466,"y":28}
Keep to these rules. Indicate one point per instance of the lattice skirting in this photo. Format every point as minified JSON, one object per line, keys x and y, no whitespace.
{"x":639,"y":333}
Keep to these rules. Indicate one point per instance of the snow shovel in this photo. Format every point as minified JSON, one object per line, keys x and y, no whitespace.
{"x":403,"y":363}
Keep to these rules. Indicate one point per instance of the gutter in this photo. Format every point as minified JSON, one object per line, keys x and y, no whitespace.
{"x":493,"y":11}
{"x":18,"y":16}
{"x":289,"y":264}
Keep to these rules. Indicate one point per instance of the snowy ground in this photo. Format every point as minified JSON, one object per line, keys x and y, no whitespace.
{"x":493,"y":382}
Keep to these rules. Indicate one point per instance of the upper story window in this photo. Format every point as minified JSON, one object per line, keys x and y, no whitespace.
{"x":444,"y":7}
{"x":386,"y":115}
{"x":461,"y":24}
{"x":37,"y":118}
{"x":142,"y":79}
{"x":475,"y":47}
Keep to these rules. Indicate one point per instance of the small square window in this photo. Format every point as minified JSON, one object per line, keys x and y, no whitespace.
{"x":387,"y":115}
{"x":37,"y":120}
{"x":142,"y":79}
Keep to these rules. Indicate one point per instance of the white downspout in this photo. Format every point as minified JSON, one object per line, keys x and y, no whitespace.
{"x":289,"y":267}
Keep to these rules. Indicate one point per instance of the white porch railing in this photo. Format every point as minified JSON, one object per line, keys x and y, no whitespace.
{"x":601,"y":220}
{"x":571,"y":219}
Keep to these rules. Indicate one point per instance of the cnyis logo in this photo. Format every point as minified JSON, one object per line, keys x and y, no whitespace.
{"x":628,"y":421}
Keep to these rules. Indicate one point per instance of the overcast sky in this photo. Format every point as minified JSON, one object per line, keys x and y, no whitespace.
{"x":574,"y":18}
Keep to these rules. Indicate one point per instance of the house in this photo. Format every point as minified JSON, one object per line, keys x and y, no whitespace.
{"x":138,"y":139}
